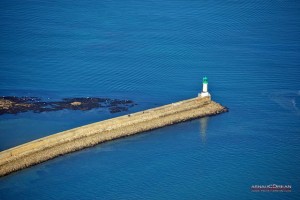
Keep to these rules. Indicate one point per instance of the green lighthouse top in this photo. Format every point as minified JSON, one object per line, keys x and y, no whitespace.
{"x":205,"y":80}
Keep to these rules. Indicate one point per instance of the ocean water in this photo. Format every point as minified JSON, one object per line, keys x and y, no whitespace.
{"x":156,"y":52}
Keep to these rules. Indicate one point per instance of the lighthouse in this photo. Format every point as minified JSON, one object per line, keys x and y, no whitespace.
{"x":204,"y":92}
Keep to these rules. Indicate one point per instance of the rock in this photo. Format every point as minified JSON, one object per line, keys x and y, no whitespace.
{"x":14,"y":105}
{"x":76,"y":103}
{"x":5,"y":104}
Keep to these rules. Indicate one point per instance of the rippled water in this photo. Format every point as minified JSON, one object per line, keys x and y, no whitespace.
{"x":155,"y":53}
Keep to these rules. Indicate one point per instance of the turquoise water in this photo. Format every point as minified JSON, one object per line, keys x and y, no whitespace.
{"x":155,"y":53}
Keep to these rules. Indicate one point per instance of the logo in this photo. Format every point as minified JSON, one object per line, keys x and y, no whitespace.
{"x":271,"y":188}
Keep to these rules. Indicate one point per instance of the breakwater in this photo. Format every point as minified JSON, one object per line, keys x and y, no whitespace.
{"x":46,"y":148}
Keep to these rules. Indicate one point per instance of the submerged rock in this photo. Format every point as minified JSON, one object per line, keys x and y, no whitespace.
{"x":14,"y":105}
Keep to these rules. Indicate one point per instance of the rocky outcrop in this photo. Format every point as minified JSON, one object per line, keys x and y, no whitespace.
{"x":14,"y":105}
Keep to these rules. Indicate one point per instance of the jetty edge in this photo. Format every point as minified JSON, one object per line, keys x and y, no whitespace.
{"x":61,"y":143}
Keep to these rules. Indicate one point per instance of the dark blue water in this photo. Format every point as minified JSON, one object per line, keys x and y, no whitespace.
{"x":156,"y":52}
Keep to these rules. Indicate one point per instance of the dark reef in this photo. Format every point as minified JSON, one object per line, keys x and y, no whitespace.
{"x":14,"y":105}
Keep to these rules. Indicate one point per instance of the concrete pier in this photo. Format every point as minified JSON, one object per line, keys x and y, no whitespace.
{"x":46,"y":148}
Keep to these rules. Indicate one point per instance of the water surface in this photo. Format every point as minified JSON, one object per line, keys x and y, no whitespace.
{"x":156,"y":53}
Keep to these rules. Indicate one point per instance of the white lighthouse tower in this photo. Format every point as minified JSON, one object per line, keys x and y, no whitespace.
{"x":204,"y":92}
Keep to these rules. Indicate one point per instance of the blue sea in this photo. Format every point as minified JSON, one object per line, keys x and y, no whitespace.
{"x":154,"y":53}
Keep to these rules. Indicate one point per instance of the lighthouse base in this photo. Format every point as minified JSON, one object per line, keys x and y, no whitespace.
{"x":204,"y":94}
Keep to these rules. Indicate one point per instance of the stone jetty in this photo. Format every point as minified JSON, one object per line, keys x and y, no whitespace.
{"x":49,"y":147}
